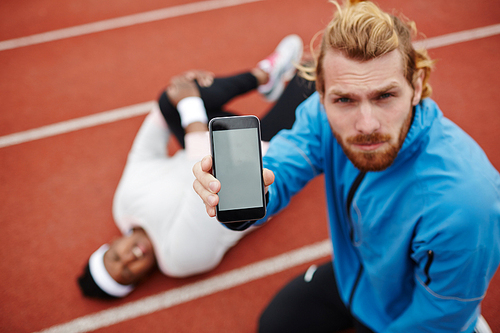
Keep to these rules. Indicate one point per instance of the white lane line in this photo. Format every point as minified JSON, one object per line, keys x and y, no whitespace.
{"x":458,"y":37}
{"x":196,"y":290}
{"x":120,"y":22}
{"x":76,"y":124}
{"x":139,"y":109}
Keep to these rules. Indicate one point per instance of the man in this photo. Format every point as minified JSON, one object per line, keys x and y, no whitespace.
{"x":413,"y":202}
{"x":170,"y":229}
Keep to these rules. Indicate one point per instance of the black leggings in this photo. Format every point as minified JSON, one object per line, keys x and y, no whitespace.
{"x":281,"y":116}
{"x":309,"y":306}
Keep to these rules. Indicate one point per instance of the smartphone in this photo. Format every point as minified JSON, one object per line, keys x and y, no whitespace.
{"x":237,"y":164}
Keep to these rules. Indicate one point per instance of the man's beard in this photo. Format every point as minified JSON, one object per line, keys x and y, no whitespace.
{"x":375,"y":161}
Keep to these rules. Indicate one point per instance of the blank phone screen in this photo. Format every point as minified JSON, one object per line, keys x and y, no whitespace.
{"x":237,"y":165}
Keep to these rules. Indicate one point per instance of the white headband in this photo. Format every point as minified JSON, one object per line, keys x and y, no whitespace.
{"x":102,"y":277}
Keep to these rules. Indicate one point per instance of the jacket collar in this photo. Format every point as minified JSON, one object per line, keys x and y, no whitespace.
{"x":424,"y":115}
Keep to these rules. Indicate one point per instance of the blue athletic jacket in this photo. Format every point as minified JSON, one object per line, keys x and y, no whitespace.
{"x":415,"y":245}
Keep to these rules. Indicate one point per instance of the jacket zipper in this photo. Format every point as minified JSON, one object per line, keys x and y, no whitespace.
{"x":358,"y":277}
{"x":430,"y":258}
{"x":350,"y":197}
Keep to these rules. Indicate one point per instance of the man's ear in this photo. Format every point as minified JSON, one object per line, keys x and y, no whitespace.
{"x":418,"y":82}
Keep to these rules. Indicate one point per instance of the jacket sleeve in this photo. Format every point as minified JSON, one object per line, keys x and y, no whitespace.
{"x":295,"y":155}
{"x":456,"y":250}
{"x":295,"y":158}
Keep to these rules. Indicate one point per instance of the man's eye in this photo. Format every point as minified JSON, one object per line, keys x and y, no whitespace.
{"x":342,"y":100}
{"x":385,"y":96}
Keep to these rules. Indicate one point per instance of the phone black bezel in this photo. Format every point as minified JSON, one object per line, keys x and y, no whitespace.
{"x":231,"y":123}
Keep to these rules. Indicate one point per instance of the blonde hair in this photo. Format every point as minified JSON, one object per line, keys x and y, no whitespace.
{"x":362,"y":31}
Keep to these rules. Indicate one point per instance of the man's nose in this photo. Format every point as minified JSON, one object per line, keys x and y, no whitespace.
{"x":367,"y":122}
{"x":127,"y":257}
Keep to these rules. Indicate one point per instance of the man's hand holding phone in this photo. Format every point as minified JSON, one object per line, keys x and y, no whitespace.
{"x":207,"y":186}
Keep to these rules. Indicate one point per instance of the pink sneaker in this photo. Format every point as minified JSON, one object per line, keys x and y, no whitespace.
{"x":280,"y":66}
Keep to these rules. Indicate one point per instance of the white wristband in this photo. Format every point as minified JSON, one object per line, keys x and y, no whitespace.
{"x":192,"y":109}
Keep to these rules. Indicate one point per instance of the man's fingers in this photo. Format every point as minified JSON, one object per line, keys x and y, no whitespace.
{"x":268,"y":177}
{"x":206,"y":177}
{"x":205,"y":79}
{"x":210,"y":211}
{"x":206,"y":164}
{"x":202,"y":171}
{"x":211,"y":200}
{"x":205,"y":185}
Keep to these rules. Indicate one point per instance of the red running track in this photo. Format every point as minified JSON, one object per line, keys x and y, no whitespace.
{"x":56,"y":193}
